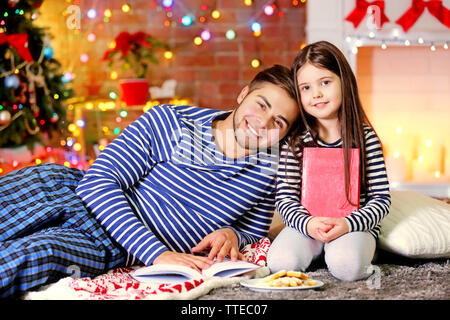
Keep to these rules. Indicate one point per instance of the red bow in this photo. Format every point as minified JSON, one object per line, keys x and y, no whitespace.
{"x":358,"y":14}
{"x":18,"y":41}
{"x":409,"y":18}
{"x":125,"y":40}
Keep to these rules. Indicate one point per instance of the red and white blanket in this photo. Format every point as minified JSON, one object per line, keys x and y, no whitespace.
{"x":118,"y":284}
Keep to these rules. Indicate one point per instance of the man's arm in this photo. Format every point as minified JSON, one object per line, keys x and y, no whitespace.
{"x":253,"y":225}
{"x":125,"y":160}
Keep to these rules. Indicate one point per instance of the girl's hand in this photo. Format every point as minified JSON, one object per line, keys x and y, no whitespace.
{"x":317,"y":227}
{"x":326,"y":229}
{"x":222,"y":242}
{"x":184,"y":259}
{"x":338,"y":227}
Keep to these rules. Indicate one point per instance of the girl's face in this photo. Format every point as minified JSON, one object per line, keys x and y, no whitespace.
{"x":320,"y":92}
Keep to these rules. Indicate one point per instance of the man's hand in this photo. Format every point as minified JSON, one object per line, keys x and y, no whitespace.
{"x":326,"y":229}
{"x":185,"y":259}
{"x":222,"y":242}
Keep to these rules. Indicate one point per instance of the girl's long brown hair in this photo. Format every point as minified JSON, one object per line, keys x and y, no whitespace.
{"x":352,"y":117}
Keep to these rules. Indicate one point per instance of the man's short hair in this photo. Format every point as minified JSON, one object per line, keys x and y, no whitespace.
{"x":278,"y":75}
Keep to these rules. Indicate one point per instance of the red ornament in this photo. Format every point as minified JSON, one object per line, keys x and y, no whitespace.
{"x":360,"y":11}
{"x":435,"y":7}
{"x":37,"y":4}
{"x":12,"y":3}
{"x":19,"y":41}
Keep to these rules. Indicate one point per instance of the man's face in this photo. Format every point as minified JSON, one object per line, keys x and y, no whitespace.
{"x":263,"y":117}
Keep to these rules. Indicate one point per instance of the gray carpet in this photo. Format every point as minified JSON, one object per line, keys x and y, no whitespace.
{"x":399,"y":279}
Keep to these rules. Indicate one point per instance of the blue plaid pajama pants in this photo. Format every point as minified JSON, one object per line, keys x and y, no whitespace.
{"x":46,"y":233}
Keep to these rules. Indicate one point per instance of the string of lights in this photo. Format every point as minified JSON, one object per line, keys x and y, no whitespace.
{"x":372,"y":39}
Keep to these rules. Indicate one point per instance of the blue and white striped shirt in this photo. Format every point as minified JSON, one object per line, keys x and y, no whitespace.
{"x":164,"y":185}
{"x":374,"y":204}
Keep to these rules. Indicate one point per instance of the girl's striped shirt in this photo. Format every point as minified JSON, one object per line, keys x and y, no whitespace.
{"x":374,"y":203}
{"x":164,"y":185}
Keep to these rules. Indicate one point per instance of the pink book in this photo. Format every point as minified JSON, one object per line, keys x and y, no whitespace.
{"x":323,"y":182}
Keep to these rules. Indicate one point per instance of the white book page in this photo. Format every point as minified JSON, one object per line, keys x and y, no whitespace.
{"x":166,"y":273}
{"x":228,"y":268}
{"x":171,"y":273}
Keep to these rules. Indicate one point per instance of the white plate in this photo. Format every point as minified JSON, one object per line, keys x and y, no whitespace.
{"x":259,"y":285}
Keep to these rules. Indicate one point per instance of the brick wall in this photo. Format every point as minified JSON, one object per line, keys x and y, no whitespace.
{"x":210,"y":75}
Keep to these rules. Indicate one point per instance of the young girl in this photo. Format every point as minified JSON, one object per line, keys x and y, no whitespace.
{"x":334,"y":118}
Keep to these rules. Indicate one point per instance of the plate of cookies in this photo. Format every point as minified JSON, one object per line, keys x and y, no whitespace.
{"x":282,"y":280}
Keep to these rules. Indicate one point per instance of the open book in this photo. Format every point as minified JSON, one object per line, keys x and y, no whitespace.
{"x":171,"y":273}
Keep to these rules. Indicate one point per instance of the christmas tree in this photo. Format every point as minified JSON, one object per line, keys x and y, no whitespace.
{"x":32,"y":88}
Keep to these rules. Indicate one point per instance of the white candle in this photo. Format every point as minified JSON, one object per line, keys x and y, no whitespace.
{"x":420,"y":170}
{"x":446,"y":165}
{"x":396,"y":168}
{"x":402,"y":148}
{"x":432,"y":155}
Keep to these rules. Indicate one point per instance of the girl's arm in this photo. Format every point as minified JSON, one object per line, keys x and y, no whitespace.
{"x":378,"y":199}
{"x":288,"y":192}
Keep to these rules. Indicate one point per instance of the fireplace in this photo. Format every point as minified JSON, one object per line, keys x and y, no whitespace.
{"x":406,"y":93}
{"x":404,"y":82}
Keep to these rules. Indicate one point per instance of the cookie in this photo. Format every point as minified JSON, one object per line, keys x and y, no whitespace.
{"x":297,"y":274}
{"x":285,"y":282}
{"x":294,"y":282}
{"x":277,"y":275}
{"x":285,"y":278}
{"x":280,"y":282}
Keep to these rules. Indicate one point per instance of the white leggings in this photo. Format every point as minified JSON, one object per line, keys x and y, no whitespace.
{"x":348,"y":257}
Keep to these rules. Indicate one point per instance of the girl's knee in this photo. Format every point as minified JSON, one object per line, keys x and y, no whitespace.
{"x":349,"y":257}
{"x":345,"y":268}
{"x":291,"y":251}
{"x":285,"y":260}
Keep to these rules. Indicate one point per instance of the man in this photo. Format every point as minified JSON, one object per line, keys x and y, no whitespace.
{"x":178,"y":180}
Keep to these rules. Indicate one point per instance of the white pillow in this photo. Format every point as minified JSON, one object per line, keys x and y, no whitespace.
{"x":417,"y":226}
